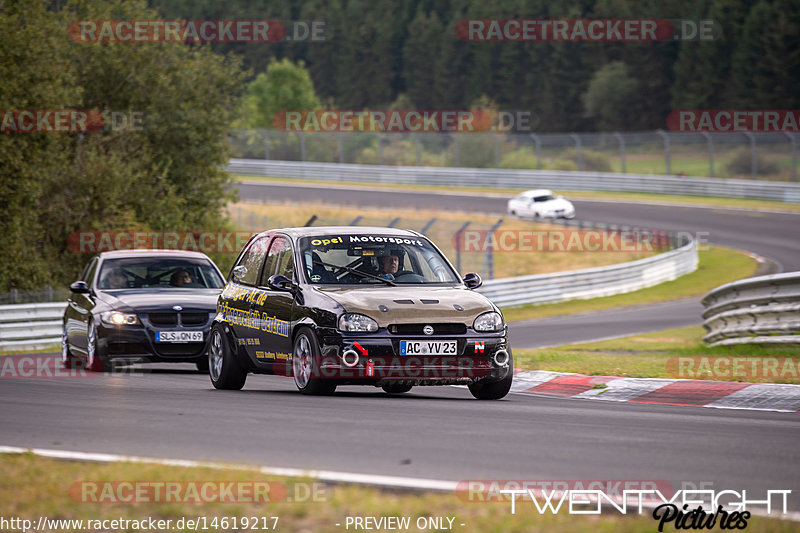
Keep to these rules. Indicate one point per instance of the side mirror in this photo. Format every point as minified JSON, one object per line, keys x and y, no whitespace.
{"x":472,"y":280}
{"x":238,"y":272}
{"x":80,"y":287}
{"x":281,"y":283}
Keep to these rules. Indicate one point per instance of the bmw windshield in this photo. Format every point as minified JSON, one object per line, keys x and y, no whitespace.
{"x":373,"y":259}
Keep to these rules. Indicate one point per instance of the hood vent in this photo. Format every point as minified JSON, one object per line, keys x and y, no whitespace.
{"x":410,"y":302}
{"x":429,"y":301}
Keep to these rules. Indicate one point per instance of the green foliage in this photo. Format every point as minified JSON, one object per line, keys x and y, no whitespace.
{"x":592,"y":160}
{"x":284,"y":86}
{"x":165,"y":175}
{"x":741,"y":164}
{"x":609,"y":95}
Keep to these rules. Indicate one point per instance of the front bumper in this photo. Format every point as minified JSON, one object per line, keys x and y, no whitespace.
{"x":138,"y":342}
{"x":378,"y":359}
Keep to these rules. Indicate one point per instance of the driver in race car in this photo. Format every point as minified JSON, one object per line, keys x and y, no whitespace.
{"x":389,"y":265}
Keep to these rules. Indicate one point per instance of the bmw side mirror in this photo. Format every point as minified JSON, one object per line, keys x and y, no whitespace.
{"x":280,"y":283}
{"x":238,"y":272}
{"x":80,"y":287}
{"x":472,"y":280}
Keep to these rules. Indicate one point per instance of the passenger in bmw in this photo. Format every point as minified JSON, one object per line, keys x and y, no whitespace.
{"x":115,"y":278}
{"x":181,"y":278}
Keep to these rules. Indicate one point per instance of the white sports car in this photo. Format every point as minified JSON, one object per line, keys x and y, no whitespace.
{"x":540,"y":203}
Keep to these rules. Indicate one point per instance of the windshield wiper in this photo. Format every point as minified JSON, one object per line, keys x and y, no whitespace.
{"x":357,"y":272}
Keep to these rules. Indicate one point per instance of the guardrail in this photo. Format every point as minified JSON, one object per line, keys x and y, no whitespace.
{"x":518,"y":179}
{"x":594,"y":282}
{"x":30,"y":326}
{"x":760,"y":310}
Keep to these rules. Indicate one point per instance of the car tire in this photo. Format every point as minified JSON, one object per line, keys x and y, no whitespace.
{"x":67,"y":357}
{"x":396,"y":388}
{"x":494,"y":390}
{"x":94,"y":362}
{"x":305,"y":364}
{"x":224,"y":370}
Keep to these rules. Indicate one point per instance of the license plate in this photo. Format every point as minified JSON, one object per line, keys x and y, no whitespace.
{"x":179,"y":336}
{"x":428,"y":347}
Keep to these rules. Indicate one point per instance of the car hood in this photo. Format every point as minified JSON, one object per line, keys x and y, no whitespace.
{"x":408,"y":305}
{"x":558,"y":203}
{"x":144,"y":301}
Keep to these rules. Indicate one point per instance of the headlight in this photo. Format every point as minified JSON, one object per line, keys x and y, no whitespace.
{"x":353,"y":322}
{"x":491,"y":321}
{"x":115,"y":318}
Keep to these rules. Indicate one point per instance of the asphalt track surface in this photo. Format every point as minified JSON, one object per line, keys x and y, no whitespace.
{"x":773,"y":236}
{"x":431,"y":433}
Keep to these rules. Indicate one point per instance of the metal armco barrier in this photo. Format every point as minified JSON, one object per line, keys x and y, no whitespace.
{"x":594,"y":282}
{"x":30,"y":326}
{"x":518,"y":179}
{"x":760,"y":310}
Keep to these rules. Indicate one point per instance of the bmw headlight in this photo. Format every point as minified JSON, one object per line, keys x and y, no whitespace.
{"x":115,"y":318}
{"x":354,"y":322}
{"x":491,"y":321}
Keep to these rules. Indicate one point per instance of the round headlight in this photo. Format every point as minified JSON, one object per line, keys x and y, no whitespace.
{"x":491,"y":321}
{"x":355,"y":323}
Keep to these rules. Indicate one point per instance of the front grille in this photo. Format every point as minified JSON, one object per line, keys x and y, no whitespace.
{"x":163,"y":319}
{"x":194,"y":319}
{"x":438,"y":329}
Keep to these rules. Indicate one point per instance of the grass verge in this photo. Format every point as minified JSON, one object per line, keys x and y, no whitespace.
{"x":705,"y":201}
{"x":716,"y":266}
{"x":36,"y":486}
{"x":672,"y":353}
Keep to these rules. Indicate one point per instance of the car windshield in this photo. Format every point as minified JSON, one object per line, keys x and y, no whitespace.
{"x":373,"y":259}
{"x":544,"y":198}
{"x":153,"y":272}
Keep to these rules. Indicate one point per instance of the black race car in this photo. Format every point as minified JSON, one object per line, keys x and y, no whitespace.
{"x":356,"y":305}
{"x":152,"y":305}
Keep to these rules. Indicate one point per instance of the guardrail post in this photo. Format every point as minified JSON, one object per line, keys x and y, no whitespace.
{"x":311,"y":221}
{"x":428,"y":225}
{"x":355,"y":221}
{"x":48,"y":293}
{"x":302,"y":146}
{"x":341,"y":146}
{"x":794,"y":154}
{"x":14,"y":295}
{"x":489,"y":259}
{"x":578,"y":150}
{"x":667,"y":157}
{"x":455,"y":147}
{"x":459,"y":243}
{"x":265,"y":133}
{"x":710,"y":145}
{"x":538,"y":142}
{"x":753,"y":155}
{"x":393,"y":222}
{"x":621,"y":141}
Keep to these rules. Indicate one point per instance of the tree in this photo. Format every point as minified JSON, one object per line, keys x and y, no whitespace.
{"x":284,"y":86}
{"x":608,"y":96}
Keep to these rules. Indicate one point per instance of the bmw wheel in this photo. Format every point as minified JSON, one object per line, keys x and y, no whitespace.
{"x":305,"y":369}
{"x":94,"y":363}
{"x":223,"y":368}
{"x":67,"y":359}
